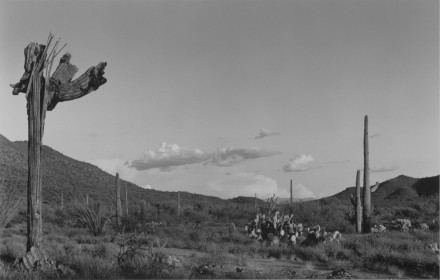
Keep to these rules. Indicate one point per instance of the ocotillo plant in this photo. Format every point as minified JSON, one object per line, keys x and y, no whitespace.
{"x":118,"y":201}
{"x":270,"y":205}
{"x":367,"y":193}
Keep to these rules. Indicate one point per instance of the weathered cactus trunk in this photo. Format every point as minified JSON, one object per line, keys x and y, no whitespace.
{"x":42,"y":93}
{"x":291,"y":191}
{"x":358,"y":203}
{"x":87,"y":199}
{"x":143,"y":212}
{"x":118,"y":201}
{"x":367,"y":193}
{"x":35,"y":135}
{"x":178,"y":204}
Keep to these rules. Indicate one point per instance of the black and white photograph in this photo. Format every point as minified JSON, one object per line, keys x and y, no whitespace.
{"x":219,"y":139}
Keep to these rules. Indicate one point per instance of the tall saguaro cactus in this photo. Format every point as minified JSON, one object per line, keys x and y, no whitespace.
{"x":291,"y":191}
{"x":62,"y":199}
{"x":255,"y":203}
{"x":178,"y":204}
{"x":43,"y":91}
{"x":118,"y":200}
{"x":367,"y":193}
{"x":143,"y":212}
{"x":126,"y":200}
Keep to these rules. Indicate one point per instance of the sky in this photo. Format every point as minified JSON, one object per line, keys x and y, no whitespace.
{"x":231,"y":98}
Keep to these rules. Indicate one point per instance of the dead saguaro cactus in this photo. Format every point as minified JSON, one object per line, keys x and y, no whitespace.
{"x":367,"y":193}
{"x":118,"y":200}
{"x":43,"y":91}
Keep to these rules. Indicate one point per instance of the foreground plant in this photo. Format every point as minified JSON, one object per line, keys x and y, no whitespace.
{"x":10,"y":202}
{"x":97,"y":218}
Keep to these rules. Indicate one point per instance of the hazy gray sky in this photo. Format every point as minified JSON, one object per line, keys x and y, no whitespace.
{"x":235,"y":97}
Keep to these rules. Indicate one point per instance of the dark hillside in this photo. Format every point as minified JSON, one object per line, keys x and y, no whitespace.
{"x":401,"y":197}
{"x":77,"y":179}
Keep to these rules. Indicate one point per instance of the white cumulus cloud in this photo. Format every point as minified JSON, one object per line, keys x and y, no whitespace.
{"x":300,"y":163}
{"x":265,"y":132}
{"x":229,"y":156}
{"x":167,"y":156}
{"x":301,"y":191}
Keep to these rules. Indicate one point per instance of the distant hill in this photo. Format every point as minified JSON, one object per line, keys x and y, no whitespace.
{"x":77,"y":178}
{"x":400,"y":197}
{"x":403,"y":196}
{"x":282,"y":200}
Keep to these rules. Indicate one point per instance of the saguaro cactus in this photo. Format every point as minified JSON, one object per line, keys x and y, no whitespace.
{"x":126,"y":200}
{"x":43,"y":92}
{"x":291,"y":191}
{"x":178,"y":204}
{"x":358,"y":203}
{"x":143,"y":211}
{"x":367,"y":193}
{"x":118,"y":201}
{"x":255,"y":203}
{"x":62,"y":199}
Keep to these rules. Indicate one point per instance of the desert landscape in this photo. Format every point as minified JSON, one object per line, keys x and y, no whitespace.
{"x":298,"y":139}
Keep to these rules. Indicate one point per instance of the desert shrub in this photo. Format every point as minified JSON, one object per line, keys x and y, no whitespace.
{"x":130,"y":223}
{"x":12,"y":249}
{"x":95,"y":217}
{"x":11,"y":200}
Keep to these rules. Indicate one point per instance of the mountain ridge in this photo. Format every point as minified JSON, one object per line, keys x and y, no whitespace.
{"x":77,"y":179}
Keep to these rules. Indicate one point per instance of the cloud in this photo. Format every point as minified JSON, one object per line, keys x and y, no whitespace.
{"x":244,"y":184}
{"x":300,"y":163}
{"x":229,"y":156}
{"x":301,"y":191}
{"x":113,"y":166}
{"x":167,"y":156}
{"x":375,"y":135}
{"x":385,"y":168}
{"x":265,"y":132}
